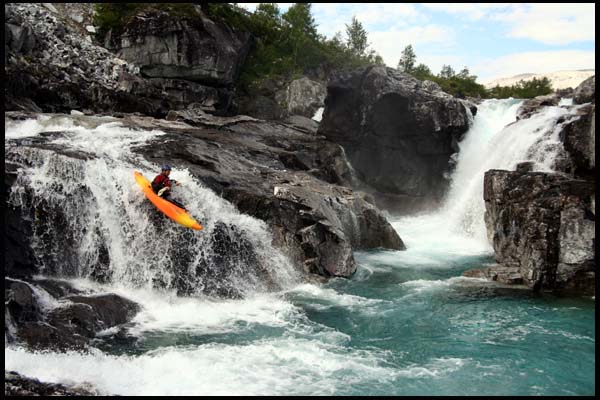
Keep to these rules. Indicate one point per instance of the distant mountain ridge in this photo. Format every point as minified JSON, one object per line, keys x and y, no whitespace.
{"x":559,"y":79}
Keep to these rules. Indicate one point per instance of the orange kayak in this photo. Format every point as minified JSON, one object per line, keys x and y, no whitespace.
{"x":177,"y":214}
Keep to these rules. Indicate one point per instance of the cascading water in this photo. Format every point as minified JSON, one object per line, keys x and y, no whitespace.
{"x":495,"y":140}
{"x":92,"y":221}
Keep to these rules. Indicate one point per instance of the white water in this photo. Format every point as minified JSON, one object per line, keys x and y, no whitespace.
{"x":494,"y":141}
{"x":108,"y":214}
{"x":318,"y":114}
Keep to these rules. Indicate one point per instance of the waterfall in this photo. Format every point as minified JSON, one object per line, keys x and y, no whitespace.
{"x":495,"y":140}
{"x":91,"y":220}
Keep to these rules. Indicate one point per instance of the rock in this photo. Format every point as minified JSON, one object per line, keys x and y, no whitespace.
{"x":19,"y":258}
{"x":195,"y":115}
{"x":586,"y":91}
{"x":566,"y":93}
{"x":64,"y":70}
{"x":531,"y":106}
{"x":57,"y":288}
{"x":20,"y":301}
{"x":302,"y":124}
{"x":302,"y":97}
{"x":579,"y":138}
{"x":19,"y":385}
{"x":497,"y":273}
{"x":190,"y":47}
{"x":542,"y":229}
{"x":62,"y":318}
{"x":290,"y":179}
{"x":262,"y":107}
{"x":110,"y":309}
{"x":277,"y":99}
{"x":398,"y":133}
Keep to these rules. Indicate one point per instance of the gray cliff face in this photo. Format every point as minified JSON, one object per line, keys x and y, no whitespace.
{"x":276,"y":100}
{"x":398,"y":133}
{"x":53,"y":65}
{"x":192,"y":48}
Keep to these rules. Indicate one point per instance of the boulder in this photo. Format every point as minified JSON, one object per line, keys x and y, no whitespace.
{"x":542,"y":226}
{"x":60,"y":319}
{"x":532,"y":106}
{"x":302,"y":97}
{"x":399,"y":133}
{"x":586,"y":91}
{"x":578,"y":136}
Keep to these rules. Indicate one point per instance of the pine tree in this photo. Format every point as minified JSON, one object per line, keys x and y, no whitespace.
{"x":408,"y":60}
{"x":357,"y":37}
{"x":446,"y":72}
{"x":301,"y":31}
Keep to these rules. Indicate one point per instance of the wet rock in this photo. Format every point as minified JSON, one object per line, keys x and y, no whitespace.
{"x":290,"y":179}
{"x":57,"y":288}
{"x":498,"y":273}
{"x":398,"y":133}
{"x":542,"y":227}
{"x":16,"y":384}
{"x":532,"y":106}
{"x":109,"y":309}
{"x":19,"y":258}
{"x":58,"y":319}
{"x":579,"y":138}
{"x":20,"y":301}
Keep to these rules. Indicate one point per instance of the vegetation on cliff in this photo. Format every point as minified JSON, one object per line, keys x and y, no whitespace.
{"x":464,"y":84}
{"x":287,"y":45}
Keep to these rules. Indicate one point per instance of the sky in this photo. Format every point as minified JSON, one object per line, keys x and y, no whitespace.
{"x":493,"y":40}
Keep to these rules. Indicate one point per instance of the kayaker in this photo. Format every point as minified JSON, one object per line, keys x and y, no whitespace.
{"x":162,"y":185}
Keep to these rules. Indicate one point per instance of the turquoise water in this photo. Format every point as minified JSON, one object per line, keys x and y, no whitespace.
{"x":406,"y":323}
{"x":393,"y":329}
{"x":496,"y":341}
